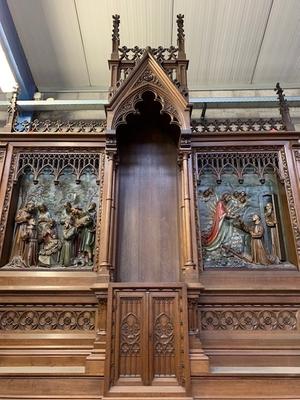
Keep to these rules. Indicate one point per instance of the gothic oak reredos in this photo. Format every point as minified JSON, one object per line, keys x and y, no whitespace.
{"x":149,"y":255}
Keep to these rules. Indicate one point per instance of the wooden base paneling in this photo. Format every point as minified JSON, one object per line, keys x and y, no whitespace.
{"x":275,"y":387}
{"x":219,"y":387}
{"x":50,"y":387}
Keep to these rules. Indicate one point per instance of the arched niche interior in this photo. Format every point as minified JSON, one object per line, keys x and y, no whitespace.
{"x":148,"y":223}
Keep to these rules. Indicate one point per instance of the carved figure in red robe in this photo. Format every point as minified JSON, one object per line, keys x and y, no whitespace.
{"x":221,"y":230}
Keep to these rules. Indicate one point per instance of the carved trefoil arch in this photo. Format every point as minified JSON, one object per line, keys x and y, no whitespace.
{"x":148,"y":76}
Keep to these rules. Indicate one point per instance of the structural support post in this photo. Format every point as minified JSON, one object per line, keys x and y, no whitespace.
{"x":189,"y":269}
{"x":105,"y":269}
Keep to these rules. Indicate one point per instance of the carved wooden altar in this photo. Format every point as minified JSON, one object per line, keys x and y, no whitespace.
{"x":149,"y":255}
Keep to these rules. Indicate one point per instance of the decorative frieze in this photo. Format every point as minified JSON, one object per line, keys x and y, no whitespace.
{"x":58,"y":163}
{"x":238,"y":164}
{"x":237,"y":125}
{"x":160,"y":53}
{"x":249,"y":319}
{"x":47,"y":318}
{"x":58,"y":126}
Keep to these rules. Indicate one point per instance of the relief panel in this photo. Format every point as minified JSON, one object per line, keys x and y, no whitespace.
{"x":242,"y":205}
{"x":57,"y":202}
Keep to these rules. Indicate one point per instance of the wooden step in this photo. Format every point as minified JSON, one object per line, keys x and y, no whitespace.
{"x":139,"y":397}
{"x":140,"y":392}
{"x":147,"y":398}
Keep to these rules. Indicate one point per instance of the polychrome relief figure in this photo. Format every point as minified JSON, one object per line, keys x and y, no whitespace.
{"x":77,"y":214}
{"x":43,"y":219}
{"x":88,"y":225}
{"x":67,"y":254}
{"x":256,"y":231}
{"x":30,"y":247}
{"x":222,"y":227}
{"x":67,"y":212}
{"x":272,"y":224}
{"x":22,"y":219}
{"x":50,"y":247}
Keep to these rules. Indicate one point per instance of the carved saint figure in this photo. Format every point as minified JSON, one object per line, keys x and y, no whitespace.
{"x":67,"y":212}
{"x":43,"y":219}
{"x":256,"y":231}
{"x":88,"y":225}
{"x":221,"y":229}
{"x":68,"y":249}
{"x":23,"y":216}
{"x":30,"y":247}
{"x":272,"y":224}
{"x":77,"y":214}
{"x":49,"y":252}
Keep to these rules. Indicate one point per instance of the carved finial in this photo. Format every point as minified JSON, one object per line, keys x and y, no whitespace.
{"x":180,"y":33}
{"x":284,"y":108}
{"x":12,"y":109}
{"x":280,"y":94}
{"x":115,"y":33}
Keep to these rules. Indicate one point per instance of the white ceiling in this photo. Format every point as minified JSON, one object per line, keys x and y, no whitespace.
{"x":230,"y":43}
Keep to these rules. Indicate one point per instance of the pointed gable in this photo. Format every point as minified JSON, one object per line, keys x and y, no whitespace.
{"x":147,"y":75}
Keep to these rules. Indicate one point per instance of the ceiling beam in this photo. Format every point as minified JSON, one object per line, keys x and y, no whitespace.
{"x":15,"y":54}
{"x":197,"y":103}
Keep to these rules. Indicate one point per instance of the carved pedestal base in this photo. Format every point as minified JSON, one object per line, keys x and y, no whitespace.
{"x":95,"y":361}
{"x":190,"y":275}
{"x":103,"y":275}
{"x":198,"y":360}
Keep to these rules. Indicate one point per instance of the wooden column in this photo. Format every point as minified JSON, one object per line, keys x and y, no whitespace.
{"x":189,"y":268}
{"x":105,"y":268}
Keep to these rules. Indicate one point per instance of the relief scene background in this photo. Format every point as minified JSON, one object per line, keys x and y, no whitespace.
{"x":241,"y":217}
{"x":56,"y":214}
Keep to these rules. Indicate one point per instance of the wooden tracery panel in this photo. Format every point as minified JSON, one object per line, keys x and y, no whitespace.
{"x":130,"y":327}
{"x":164,"y":322}
{"x":147,"y":336}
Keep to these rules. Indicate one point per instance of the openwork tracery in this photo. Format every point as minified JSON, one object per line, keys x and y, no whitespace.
{"x":57,"y":163}
{"x":129,"y":106}
{"x":237,"y":125}
{"x":59,"y":126}
{"x":238,"y":164}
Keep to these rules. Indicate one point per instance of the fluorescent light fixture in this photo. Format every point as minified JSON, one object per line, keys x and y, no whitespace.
{"x":7,"y":79}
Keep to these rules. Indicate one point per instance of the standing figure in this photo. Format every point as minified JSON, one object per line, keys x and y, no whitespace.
{"x":68,"y":249}
{"x":67,"y":213}
{"x":51,"y":245}
{"x":256,"y":231}
{"x":272,"y":223}
{"x":78,"y":214}
{"x":23,"y":216}
{"x":43,"y":219}
{"x":30,"y":249}
{"x":88,"y":223}
{"x":221,"y":229}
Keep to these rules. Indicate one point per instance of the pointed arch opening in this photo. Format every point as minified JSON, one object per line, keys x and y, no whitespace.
{"x":148,"y":224}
